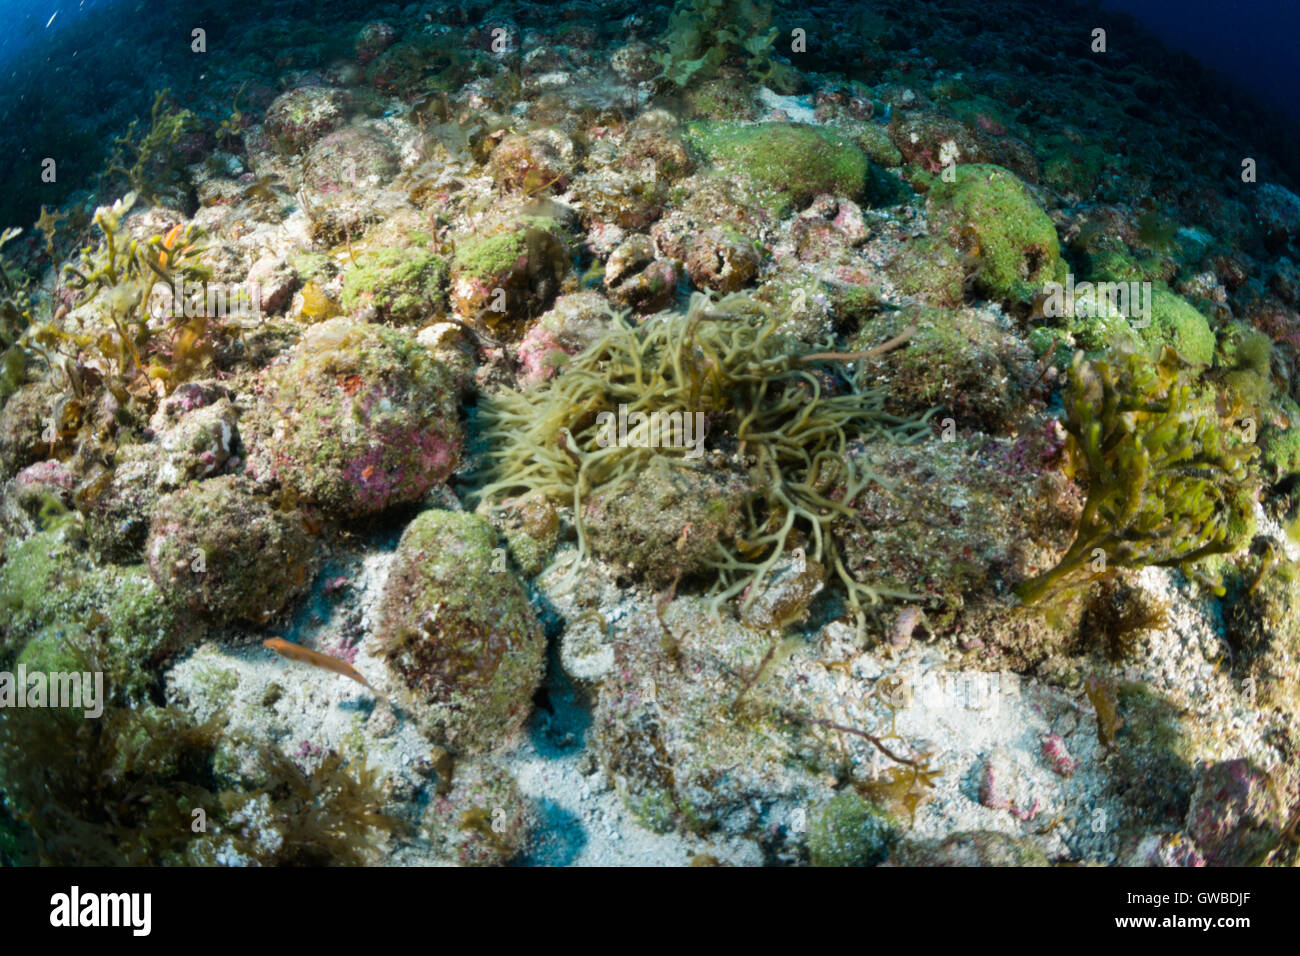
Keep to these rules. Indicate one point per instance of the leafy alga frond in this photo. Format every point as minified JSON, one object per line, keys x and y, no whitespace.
{"x":1169,"y":483}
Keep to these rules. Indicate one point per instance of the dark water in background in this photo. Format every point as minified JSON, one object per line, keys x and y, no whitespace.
{"x":1251,"y":41}
{"x":70,"y":85}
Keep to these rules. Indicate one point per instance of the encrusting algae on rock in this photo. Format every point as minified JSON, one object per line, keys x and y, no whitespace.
{"x":667,"y":431}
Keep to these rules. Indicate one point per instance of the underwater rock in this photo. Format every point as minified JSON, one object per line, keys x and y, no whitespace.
{"x":851,"y":831}
{"x":360,"y":418}
{"x":1236,"y":816}
{"x":37,"y":490}
{"x":989,"y":212}
{"x":786,"y":164}
{"x":531,"y":526}
{"x":1151,"y":743}
{"x":504,"y":277}
{"x":483,"y":819}
{"x":1263,"y":627}
{"x":1161,"y":849}
{"x":1177,"y":324}
{"x":198,"y":445}
{"x":217,"y":546}
{"x":63,"y":612}
{"x":961,"y":362}
{"x":722,"y":261}
{"x":117,"y":504}
{"x":929,"y":269}
{"x":541,"y":160}
{"x":955,"y":515}
{"x":933,"y":141}
{"x":666,"y":521}
{"x":24,"y":421}
{"x":570,"y":326}
{"x":970,"y":848}
{"x":373,"y":39}
{"x":455,"y":626}
{"x":339,"y":176}
{"x":636,"y":280}
{"x":630,"y":199}
{"x":299,"y":118}
{"x":1277,"y":210}
{"x":397,"y":286}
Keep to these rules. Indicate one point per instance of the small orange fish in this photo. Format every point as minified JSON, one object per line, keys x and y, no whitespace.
{"x":296,"y":652}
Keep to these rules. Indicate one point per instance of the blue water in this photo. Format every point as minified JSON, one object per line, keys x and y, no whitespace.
{"x":28,"y":23}
{"x":1251,"y":41}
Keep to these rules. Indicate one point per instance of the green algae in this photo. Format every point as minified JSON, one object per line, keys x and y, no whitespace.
{"x":990,"y":213}
{"x":403,"y":285}
{"x":704,"y":34}
{"x":488,"y":256}
{"x":138,"y":787}
{"x":851,"y":831}
{"x":788,"y":163}
{"x":1168,"y":483}
{"x":62,"y":610}
{"x":1177,"y":324}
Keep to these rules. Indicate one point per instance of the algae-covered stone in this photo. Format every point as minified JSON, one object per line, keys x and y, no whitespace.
{"x":24,"y":427}
{"x":216,"y":546}
{"x":574,"y":323}
{"x":483,"y":819}
{"x":532,"y":528}
{"x":511,"y":274}
{"x":532,"y":162}
{"x":298,"y":118}
{"x":60,"y":609}
{"x":117,"y":503}
{"x":787,"y":163}
{"x":971,"y":848}
{"x":1263,"y":625}
{"x":851,"y":831}
{"x":956,"y":515}
{"x":45,"y":564}
{"x":1150,"y":744}
{"x":402,"y":286}
{"x":456,"y":627}
{"x":959,"y":361}
{"x":667,"y":521}
{"x":1236,"y":815}
{"x":987,"y":211}
{"x":929,"y":269}
{"x":1177,"y":324}
{"x":722,"y":260}
{"x":361,"y":418}
{"x":340,"y":174}
{"x":118,"y":620}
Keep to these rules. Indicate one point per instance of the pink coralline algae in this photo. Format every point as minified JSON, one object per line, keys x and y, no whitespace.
{"x":1058,"y":756}
{"x":426,"y":455}
{"x":362,"y":418}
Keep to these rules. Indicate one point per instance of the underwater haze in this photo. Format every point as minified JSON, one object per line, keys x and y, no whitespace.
{"x":599,"y":433}
{"x":1252,"y":42}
